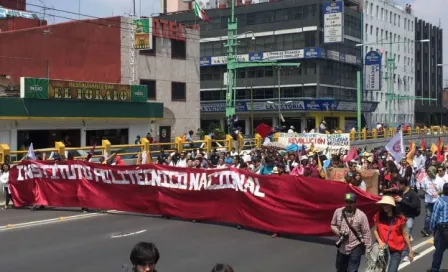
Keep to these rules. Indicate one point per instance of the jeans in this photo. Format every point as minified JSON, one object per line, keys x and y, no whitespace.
{"x":409,"y":226}
{"x":441,"y":244}
{"x":429,"y":207}
{"x":351,"y":262}
{"x":395,"y":260}
{"x":8,"y":197}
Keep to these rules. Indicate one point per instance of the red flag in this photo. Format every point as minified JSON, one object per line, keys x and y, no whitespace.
{"x":439,"y":151}
{"x":264,"y":130}
{"x":353,"y":154}
{"x":423,"y":144}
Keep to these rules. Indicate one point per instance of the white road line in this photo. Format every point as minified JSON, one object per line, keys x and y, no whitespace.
{"x":422,"y":254}
{"x":53,"y":220}
{"x":127,"y":234}
{"x":426,"y":242}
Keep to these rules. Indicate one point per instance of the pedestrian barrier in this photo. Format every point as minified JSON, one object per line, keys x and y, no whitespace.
{"x":134,"y":152}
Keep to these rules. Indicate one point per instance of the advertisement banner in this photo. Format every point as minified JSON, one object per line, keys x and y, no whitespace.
{"x":333,"y":21}
{"x":40,"y":88}
{"x":370,"y":177}
{"x":277,"y":204}
{"x":143,"y":34}
{"x":373,"y":71}
{"x":324,"y":142}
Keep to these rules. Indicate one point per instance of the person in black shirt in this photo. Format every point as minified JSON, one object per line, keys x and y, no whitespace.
{"x":409,"y":205}
{"x":162,"y":157}
{"x":214,"y":157}
{"x":144,"y":257}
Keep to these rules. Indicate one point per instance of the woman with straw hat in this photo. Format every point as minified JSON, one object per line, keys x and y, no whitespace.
{"x":391,"y":234}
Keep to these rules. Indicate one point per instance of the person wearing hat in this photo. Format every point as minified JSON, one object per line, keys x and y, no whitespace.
{"x":291,"y":129}
{"x":431,"y":189}
{"x":391,"y":233}
{"x":352,"y":227}
{"x":439,"y":225}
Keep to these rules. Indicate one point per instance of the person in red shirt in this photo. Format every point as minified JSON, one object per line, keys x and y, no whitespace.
{"x":391,"y":233}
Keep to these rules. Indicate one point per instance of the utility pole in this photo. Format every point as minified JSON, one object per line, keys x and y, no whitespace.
{"x":233,"y":64}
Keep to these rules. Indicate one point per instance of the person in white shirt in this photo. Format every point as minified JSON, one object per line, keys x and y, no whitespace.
{"x":430,"y":188}
{"x":359,"y":182}
{"x":291,"y":129}
{"x":182,"y":162}
{"x":441,"y":178}
{"x":221,"y":164}
{"x":4,"y":179}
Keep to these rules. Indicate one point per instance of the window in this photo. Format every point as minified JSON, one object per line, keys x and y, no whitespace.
{"x":390,"y":17}
{"x":395,"y":19}
{"x":405,"y":21}
{"x":377,"y":12}
{"x":367,"y":9}
{"x":178,"y":49}
{"x":178,"y":91}
{"x":297,"y":13}
{"x":371,"y":9}
{"x":371,"y":30}
{"x":151,"y":88}
{"x":382,"y":14}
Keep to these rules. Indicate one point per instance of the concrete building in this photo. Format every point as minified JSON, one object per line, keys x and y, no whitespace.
{"x":171,"y":72}
{"x":389,"y":29}
{"x":98,"y":52}
{"x":429,"y":76}
{"x":324,"y":87}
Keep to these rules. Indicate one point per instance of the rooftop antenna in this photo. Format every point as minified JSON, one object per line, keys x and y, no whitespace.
{"x":45,"y":9}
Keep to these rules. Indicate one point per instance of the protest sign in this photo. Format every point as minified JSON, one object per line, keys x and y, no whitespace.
{"x":331,"y":142}
{"x":370,"y":177}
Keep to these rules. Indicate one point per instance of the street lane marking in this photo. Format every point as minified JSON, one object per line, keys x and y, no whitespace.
{"x":422,"y":254}
{"x":54,"y":220}
{"x":128,"y":234}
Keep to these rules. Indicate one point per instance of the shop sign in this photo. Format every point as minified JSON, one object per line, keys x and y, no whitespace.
{"x":41,"y":88}
{"x":373,"y":71}
{"x":143,"y":34}
{"x":168,"y":29}
{"x":333,"y":14}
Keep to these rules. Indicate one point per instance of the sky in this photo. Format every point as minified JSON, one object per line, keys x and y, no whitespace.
{"x":429,"y":10}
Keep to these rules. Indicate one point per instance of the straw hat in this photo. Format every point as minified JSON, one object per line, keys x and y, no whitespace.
{"x":387,"y":200}
{"x":367,"y":154}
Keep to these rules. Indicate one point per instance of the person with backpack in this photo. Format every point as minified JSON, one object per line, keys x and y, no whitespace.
{"x":408,"y":203}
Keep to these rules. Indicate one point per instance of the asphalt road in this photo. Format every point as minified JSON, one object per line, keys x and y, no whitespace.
{"x":86,"y":243}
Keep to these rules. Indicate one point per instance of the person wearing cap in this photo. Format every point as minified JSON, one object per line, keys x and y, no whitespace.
{"x":291,"y":129}
{"x":431,"y":189}
{"x":391,"y":233}
{"x":352,"y":227}
{"x":439,"y":225}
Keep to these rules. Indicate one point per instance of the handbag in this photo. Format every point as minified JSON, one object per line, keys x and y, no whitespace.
{"x":363,"y":246}
{"x":378,"y":258}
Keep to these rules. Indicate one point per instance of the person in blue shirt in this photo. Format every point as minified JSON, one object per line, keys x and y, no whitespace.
{"x":439,"y":226}
{"x":267,"y":167}
{"x":228,"y":159}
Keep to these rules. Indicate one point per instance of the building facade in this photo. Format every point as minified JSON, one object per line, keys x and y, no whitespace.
{"x":429,"y":75}
{"x":98,"y":52}
{"x":324,"y":87}
{"x":171,"y":72}
{"x":390,"y":30}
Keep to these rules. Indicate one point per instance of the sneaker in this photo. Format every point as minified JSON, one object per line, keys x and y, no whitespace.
{"x":405,"y":259}
{"x":425,"y":233}
{"x":412,"y":239}
{"x":275,"y":235}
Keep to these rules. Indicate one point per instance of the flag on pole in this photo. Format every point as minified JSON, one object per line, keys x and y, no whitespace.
{"x":410,"y":156}
{"x":395,"y":147}
{"x":440,"y":151}
{"x":30,"y":155}
{"x":199,"y":12}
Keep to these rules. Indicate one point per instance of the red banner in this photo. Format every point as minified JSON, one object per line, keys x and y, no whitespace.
{"x":282,"y":204}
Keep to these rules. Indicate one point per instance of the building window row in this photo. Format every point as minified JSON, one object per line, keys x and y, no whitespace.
{"x":384,"y":37}
{"x":247,"y":19}
{"x":382,"y":13}
{"x":299,"y":92}
{"x":178,"y":49}
{"x":178,"y":90}
{"x":263,"y":44}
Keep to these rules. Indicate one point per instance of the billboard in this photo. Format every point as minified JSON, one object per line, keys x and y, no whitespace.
{"x":333,"y":15}
{"x":143,"y":34}
{"x":42,"y":88}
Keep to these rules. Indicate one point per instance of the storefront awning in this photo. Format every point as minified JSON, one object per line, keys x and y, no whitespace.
{"x":22,"y":108}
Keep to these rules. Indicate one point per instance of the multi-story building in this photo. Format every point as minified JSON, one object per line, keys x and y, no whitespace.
{"x":324,"y":87}
{"x":99,"y":52}
{"x":390,"y":29}
{"x":429,"y":74}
